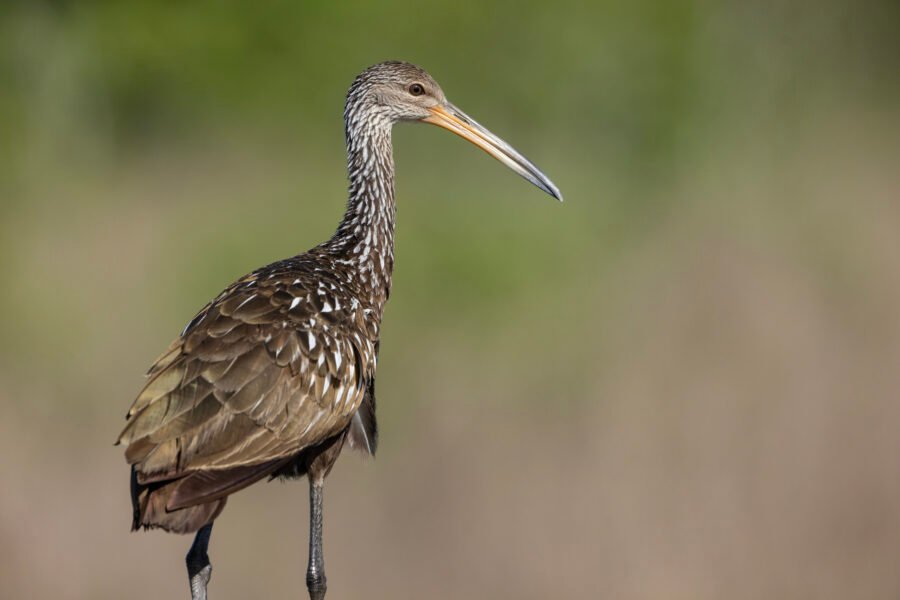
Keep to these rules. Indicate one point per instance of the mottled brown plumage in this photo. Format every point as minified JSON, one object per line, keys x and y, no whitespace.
{"x":277,"y":363}
{"x":274,"y":375}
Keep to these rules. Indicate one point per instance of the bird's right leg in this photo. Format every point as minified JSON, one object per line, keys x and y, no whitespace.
{"x":198,"y":567}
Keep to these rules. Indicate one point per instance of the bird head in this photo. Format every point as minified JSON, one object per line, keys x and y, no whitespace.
{"x":398,"y":91}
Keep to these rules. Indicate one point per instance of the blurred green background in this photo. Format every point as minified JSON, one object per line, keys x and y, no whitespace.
{"x":681,"y":383}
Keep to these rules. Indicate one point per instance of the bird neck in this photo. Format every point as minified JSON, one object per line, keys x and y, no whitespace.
{"x":364,"y":240}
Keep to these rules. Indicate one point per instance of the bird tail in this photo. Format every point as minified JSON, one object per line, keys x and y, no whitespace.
{"x":149,"y":508}
{"x":185,"y":504}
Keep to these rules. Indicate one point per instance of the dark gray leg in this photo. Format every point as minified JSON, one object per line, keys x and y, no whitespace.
{"x":198,"y":567}
{"x":315,"y":573}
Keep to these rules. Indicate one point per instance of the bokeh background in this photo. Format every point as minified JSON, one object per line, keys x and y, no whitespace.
{"x":680,"y":383}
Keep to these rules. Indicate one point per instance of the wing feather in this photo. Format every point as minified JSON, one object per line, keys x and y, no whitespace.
{"x":252,"y":380}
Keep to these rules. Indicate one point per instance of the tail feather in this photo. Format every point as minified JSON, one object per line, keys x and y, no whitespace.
{"x":208,"y":486}
{"x":149,"y":508}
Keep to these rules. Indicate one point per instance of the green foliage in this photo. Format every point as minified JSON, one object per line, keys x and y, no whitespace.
{"x":207,"y":135}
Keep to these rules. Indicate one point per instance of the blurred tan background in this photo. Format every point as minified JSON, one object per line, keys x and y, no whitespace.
{"x":681,"y":383}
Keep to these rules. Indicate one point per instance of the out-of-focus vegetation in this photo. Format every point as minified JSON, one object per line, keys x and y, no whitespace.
{"x":681,"y":383}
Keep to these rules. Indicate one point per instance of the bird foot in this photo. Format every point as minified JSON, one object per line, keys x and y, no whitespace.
{"x":199,"y":581}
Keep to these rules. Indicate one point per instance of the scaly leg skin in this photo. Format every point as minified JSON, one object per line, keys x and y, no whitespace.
{"x":315,"y":573}
{"x":198,"y":567}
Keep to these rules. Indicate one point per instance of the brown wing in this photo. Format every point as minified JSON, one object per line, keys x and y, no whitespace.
{"x":363,"y":432}
{"x":258,"y":375}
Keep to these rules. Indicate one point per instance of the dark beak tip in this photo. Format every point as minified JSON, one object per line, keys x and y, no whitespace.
{"x":552,"y":190}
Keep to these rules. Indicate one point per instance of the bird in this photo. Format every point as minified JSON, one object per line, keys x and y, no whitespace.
{"x":275,"y":375}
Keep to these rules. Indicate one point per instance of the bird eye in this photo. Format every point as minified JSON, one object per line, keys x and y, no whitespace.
{"x":416,"y":89}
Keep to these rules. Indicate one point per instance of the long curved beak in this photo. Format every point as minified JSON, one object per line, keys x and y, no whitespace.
{"x":451,"y":118}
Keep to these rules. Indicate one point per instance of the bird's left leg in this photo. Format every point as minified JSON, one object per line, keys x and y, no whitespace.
{"x":315,"y":572}
{"x":317,"y":464}
{"x":198,"y":566}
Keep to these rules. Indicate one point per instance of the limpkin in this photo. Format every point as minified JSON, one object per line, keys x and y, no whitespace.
{"x":275,"y":374}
